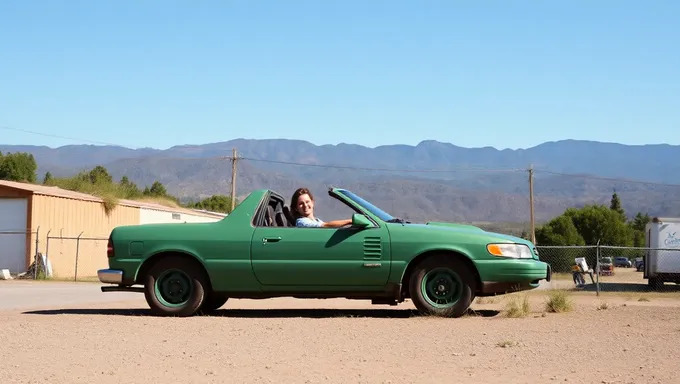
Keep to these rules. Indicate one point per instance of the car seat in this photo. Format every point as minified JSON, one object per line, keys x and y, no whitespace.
{"x":289,"y":216}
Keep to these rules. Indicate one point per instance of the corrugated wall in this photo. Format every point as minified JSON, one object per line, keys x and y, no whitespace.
{"x":68,"y":218}
{"x":153,"y":216}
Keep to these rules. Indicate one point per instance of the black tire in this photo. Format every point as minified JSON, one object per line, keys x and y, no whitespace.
{"x":213,"y":302}
{"x":450,"y":273}
{"x":175,"y":276}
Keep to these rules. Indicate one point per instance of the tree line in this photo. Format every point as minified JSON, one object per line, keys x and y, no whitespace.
{"x":576,"y":226}
{"x":22,"y":167}
{"x":595,"y":222}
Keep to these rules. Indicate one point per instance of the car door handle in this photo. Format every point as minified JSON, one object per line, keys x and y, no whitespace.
{"x":271,"y":239}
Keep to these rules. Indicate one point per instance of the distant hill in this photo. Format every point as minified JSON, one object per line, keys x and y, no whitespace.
{"x":194,"y":171}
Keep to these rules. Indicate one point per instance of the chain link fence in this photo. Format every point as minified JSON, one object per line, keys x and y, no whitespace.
{"x":14,"y":248}
{"x":600,"y":268}
{"x":77,"y":257}
{"x":61,"y":257}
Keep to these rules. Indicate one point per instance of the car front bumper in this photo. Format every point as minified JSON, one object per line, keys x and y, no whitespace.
{"x":110,"y":276}
{"x":502,"y":276}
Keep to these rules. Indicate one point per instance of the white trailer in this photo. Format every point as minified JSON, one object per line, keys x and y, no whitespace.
{"x":662,"y":258}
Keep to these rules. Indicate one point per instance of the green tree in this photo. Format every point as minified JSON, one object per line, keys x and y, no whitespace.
{"x":215,"y":203}
{"x":638,"y":225}
{"x":97,"y":181}
{"x":590,"y":224}
{"x":157,"y":190}
{"x":639,"y":222}
{"x":129,"y":189}
{"x":559,"y":231}
{"x":99,"y":175}
{"x":615,"y":205}
{"x":19,"y":166}
{"x":48,"y":179}
{"x":600,"y":223}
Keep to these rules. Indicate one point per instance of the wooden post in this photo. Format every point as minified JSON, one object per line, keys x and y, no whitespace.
{"x":233,"y":179}
{"x":531,"y":203}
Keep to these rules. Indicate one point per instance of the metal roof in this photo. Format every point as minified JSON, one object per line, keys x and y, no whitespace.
{"x":46,"y":190}
{"x":49,"y":190}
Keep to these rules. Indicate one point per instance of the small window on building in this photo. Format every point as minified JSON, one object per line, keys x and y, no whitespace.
{"x":176,"y":216}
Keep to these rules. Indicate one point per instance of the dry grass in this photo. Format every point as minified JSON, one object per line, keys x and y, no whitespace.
{"x":111,"y":193}
{"x":518,"y":306}
{"x":559,"y":301}
{"x":159,"y":200}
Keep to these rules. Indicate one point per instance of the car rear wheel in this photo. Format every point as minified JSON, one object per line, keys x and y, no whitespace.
{"x":443,"y":286}
{"x":175,"y":286}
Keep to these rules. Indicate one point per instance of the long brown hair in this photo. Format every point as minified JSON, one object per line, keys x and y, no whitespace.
{"x":294,"y":200}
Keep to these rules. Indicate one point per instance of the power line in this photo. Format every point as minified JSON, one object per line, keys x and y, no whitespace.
{"x":351,"y":167}
{"x":507,"y":170}
{"x":59,"y":137}
{"x":613,"y":179}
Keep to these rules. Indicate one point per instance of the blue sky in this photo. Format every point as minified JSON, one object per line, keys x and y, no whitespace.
{"x":507,"y":74}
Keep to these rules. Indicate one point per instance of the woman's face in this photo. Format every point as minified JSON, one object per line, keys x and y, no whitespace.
{"x":305,"y":205}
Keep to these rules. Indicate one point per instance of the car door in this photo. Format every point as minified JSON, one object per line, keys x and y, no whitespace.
{"x":292,"y":256}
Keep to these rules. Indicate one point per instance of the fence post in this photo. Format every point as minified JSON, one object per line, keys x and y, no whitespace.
{"x":35,"y":255}
{"x":597,"y":268}
{"x":75,"y":277}
{"x":47,"y":251}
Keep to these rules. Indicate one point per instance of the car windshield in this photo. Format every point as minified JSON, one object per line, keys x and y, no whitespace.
{"x":368,"y":206}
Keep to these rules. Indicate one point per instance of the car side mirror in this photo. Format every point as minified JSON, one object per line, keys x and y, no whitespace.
{"x":360,"y":221}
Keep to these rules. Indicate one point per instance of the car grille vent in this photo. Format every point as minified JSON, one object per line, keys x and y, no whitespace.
{"x":372,"y":248}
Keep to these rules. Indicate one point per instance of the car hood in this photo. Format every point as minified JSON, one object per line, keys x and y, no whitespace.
{"x":470,"y":229}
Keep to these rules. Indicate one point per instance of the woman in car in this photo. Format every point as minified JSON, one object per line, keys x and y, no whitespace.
{"x":302,"y":207}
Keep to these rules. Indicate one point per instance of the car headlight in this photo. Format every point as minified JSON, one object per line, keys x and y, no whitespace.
{"x":514,"y":251}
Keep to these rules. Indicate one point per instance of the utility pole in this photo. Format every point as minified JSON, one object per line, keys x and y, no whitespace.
{"x":531,"y":203}
{"x":233,"y":178}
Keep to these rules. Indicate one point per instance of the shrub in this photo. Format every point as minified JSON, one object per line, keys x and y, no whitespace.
{"x":558,"y":301}
{"x":518,"y":306}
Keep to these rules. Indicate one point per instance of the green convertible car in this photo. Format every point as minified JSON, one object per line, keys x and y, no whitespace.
{"x":256,"y":252}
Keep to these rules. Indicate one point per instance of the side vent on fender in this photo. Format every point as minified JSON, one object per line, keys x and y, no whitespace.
{"x":372,"y":248}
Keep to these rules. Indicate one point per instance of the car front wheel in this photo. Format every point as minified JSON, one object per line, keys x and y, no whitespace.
{"x":175,"y":286}
{"x":442,"y":286}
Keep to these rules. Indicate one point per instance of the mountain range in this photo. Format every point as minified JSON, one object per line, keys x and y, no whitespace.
{"x":428,"y":181}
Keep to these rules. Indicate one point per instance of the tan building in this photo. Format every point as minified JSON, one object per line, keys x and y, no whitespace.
{"x":49,"y":220}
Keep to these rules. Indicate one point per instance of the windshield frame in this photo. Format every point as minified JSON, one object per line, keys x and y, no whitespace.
{"x":366,"y":205}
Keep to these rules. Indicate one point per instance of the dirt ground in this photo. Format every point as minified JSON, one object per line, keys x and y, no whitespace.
{"x":341,"y":341}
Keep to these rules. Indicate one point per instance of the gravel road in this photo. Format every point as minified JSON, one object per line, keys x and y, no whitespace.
{"x":103,"y":340}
